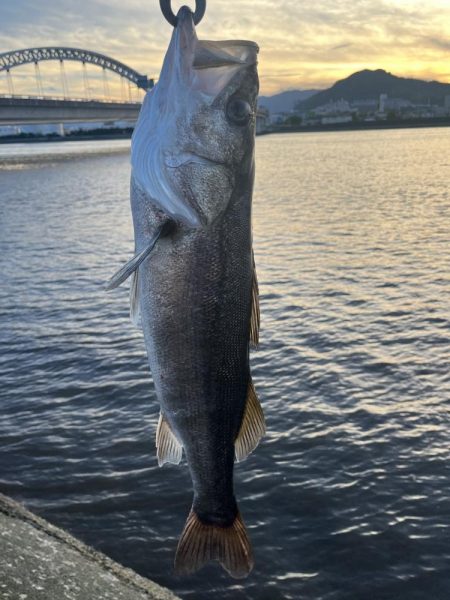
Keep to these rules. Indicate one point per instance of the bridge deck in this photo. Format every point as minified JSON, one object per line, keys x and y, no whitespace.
{"x":21,"y":110}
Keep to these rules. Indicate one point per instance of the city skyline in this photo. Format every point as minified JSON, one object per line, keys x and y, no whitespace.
{"x":302,"y":46}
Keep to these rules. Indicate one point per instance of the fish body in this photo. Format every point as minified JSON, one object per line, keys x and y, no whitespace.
{"x":195,"y":288}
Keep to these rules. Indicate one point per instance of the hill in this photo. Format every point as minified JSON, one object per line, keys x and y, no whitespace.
{"x":366,"y":85}
{"x":285,"y":101}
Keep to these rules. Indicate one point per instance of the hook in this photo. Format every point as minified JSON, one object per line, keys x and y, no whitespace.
{"x":166,"y":8}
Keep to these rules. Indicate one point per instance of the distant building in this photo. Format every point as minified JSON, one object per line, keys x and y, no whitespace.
{"x":447,"y":104}
{"x":9,"y":130}
{"x":262,"y":119}
{"x":277,"y":118}
{"x":382,"y":103}
{"x":398,"y":104}
{"x":366,"y":105}
{"x":336,"y":119}
{"x":333,"y":108}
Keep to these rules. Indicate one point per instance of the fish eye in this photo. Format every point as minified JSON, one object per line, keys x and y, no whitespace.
{"x":238,"y":111}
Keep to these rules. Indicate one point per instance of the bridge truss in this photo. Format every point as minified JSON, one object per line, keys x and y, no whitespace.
{"x":16,"y":58}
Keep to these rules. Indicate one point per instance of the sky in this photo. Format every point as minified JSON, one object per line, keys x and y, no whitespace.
{"x":304,"y":44}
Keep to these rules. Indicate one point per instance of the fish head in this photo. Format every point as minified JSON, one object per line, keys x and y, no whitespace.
{"x":194,"y":139}
{"x":224,"y":122}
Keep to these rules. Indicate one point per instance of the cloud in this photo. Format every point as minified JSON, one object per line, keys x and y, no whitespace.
{"x":307,"y":44}
{"x":438,"y":43}
{"x":340,"y":47}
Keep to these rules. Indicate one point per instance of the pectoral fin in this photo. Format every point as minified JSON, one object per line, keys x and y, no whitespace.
{"x":252,"y":427}
{"x":255,"y":317}
{"x":168,"y":448}
{"x":124,"y":272}
{"x":134,"y":298}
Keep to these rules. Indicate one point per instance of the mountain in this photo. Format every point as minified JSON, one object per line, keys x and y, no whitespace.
{"x":285,"y":101}
{"x":366,"y":85}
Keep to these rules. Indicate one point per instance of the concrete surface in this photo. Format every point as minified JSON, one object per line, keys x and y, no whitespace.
{"x":39,"y":561}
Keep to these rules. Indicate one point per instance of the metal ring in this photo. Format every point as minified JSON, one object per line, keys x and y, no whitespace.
{"x":166,"y":9}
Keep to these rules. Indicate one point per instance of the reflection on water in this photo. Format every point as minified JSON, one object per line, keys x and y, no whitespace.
{"x":348,"y":496}
{"x":14,"y":157}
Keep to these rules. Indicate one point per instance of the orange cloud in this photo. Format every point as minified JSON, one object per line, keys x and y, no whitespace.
{"x":303,"y":45}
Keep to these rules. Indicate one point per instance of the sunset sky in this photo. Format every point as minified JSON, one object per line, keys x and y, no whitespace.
{"x":304,"y":45}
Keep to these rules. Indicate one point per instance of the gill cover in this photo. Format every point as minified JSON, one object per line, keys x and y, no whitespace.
{"x":194,"y":72}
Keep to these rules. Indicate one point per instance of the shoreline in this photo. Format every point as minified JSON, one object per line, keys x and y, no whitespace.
{"x":41,"y":561}
{"x":126,"y":135}
{"x":368,"y":126}
{"x":89,"y":137}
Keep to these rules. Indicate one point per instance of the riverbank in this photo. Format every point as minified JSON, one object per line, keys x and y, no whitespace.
{"x":96,"y":134}
{"x":42,"y":562}
{"x":364,"y":126}
{"x":124,"y":134}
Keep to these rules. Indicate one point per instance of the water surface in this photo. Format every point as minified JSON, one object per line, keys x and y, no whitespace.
{"x":348,"y":496}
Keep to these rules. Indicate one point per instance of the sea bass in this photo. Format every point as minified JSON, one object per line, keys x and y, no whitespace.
{"x":194,"y":282}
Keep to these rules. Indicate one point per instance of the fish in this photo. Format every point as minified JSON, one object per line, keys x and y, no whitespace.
{"x":194,"y":287}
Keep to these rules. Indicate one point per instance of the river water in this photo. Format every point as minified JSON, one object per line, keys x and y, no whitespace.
{"x":348,"y":496}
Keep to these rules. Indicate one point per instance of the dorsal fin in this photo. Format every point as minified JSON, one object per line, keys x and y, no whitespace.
{"x":255,"y":315}
{"x":252,"y":427}
{"x":168,"y":448}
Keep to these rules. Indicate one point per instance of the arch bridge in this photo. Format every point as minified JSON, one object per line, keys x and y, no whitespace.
{"x":39,"y":109}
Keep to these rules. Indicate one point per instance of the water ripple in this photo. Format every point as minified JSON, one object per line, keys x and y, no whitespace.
{"x":348,"y":495}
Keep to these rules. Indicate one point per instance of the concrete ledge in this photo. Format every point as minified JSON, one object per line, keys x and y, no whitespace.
{"x":39,"y":561}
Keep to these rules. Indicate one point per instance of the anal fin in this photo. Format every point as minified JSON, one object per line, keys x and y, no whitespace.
{"x":255,"y":316}
{"x":168,"y":448}
{"x":253,"y":426}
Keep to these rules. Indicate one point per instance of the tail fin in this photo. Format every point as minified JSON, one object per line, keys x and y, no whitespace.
{"x":199,"y":543}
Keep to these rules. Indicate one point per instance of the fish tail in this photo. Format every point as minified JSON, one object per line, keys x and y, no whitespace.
{"x":201,"y":542}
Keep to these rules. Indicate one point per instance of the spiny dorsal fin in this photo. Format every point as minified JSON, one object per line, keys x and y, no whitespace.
{"x":168,"y":448}
{"x":200,"y":542}
{"x":252,"y":428}
{"x":255,"y":318}
{"x":134,"y":298}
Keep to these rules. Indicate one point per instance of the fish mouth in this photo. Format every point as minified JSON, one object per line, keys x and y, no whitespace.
{"x":184,"y":158}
